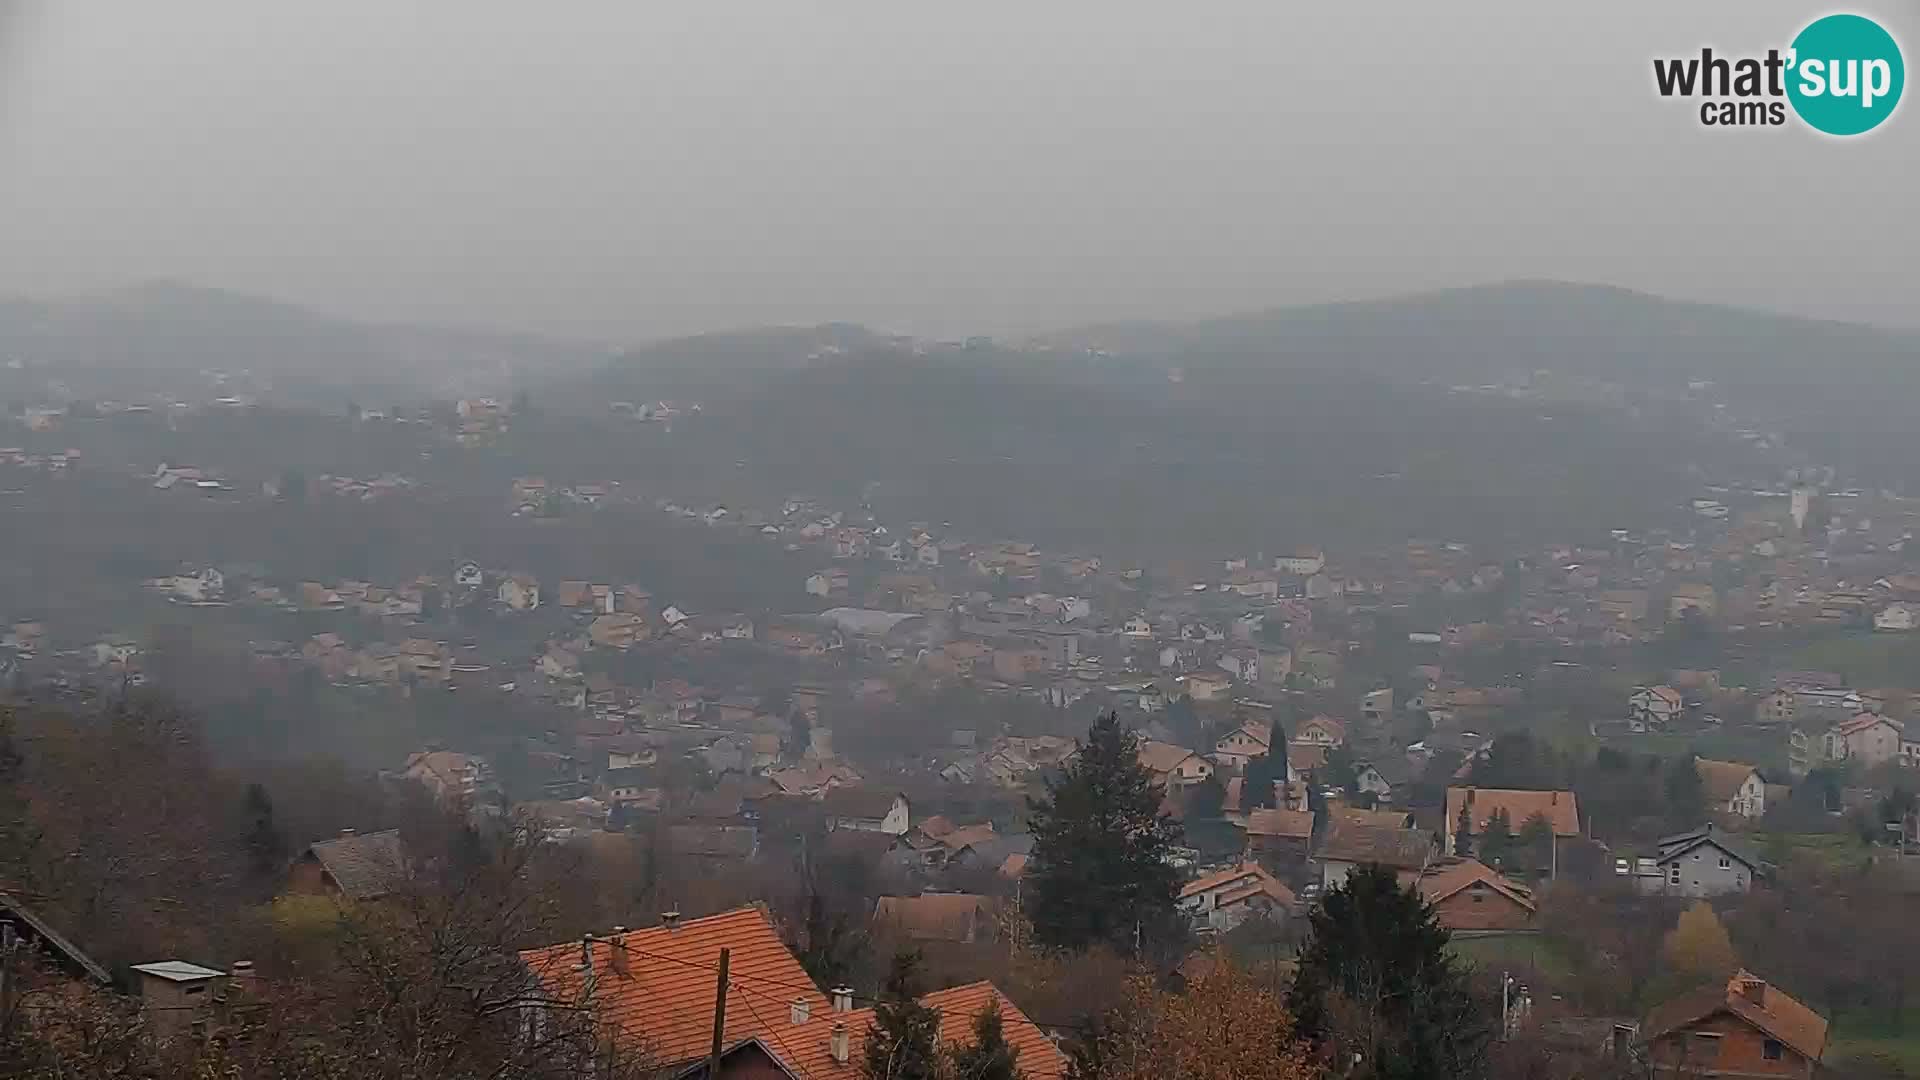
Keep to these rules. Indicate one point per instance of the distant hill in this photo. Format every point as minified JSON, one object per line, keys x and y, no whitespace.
{"x":696,"y":366}
{"x":1489,"y":330}
{"x":1842,"y":393}
{"x":1296,"y":424}
{"x":162,"y":335}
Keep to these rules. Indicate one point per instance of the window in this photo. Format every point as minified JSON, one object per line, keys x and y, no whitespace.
{"x":1771,"y":1050}
{"x":1673,"y":875}
{"x":1726,"y":863}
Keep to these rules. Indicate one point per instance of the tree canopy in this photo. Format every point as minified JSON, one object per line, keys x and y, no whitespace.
{"x":1376,"y":980}
{"x":903,"y":1041}
{"x":1100,"y":869}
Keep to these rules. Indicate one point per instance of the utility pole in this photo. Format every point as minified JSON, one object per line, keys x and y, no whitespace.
{"x":1506,"y":983}
{"x":719,"y":1015}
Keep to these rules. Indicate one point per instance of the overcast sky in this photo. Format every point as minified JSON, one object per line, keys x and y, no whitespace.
{"x":633,"y":169}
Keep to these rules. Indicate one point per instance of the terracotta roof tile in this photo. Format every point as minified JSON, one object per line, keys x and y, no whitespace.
{"x":1559,"y":807}
{"x":1388,"y":845}
{"x":1295,"y":824}
{"x":1748,"y":997}
{"x":1453,"y":875}
{"x":937,"y":916}
{"x":1162,"y":757}
{"x":664,"y":1000}
{"x":1721,"y":779}
{"x":805,"y":1048}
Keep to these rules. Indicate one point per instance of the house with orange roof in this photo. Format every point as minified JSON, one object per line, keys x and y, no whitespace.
{"x":1654,"y":708}
{"x":1481,"y":804}
{"x":1173,"y":766}
{"x":1321,"y":731}
{"x":961,"y":917}
{"x":1466,"y":894}
{"x":1865,"y":737}
{"x":1743,"y":1028}
{"x":1250,"y":740}
{"x":833,"y":1046}
{"x":1226,"y":898}
{"x":653,"y":990}
{"x":1279,"y":840}
{"x":1732,"y":787}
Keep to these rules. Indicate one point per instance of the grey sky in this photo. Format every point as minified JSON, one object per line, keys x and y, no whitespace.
{"x":634,"y":169}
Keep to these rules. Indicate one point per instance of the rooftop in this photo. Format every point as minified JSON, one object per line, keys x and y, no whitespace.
{"x":177,"y":971}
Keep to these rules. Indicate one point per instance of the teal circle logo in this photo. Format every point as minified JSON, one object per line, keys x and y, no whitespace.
{"x":1845,"y":74}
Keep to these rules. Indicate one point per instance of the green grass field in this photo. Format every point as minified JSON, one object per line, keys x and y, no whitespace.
{"x":1866,"y":1038}
{"x":1518,"y":954}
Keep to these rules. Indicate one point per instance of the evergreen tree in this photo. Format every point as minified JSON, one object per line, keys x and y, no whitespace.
{"x":1375,"y":980}
{"x":1686,"y":797}
{"x":1463,"y":832}
{"x":1206,"y":798}
{"x":1099,"y":869}
{"x":903,"y":1040}
{"x":989,"y":1056}
{"x":1496,"y":840}
{"x":264,"y":843}
{"x":1263,"y":772}
{"x":1536,"y":841}
{"x":1340,"y":772}
{"x":833,"y":947}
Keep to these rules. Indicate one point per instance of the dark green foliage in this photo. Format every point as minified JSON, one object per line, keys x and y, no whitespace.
{"x":265,"y":845}
{"x":1517,"y":760}
{"x":1181,"y":719}
{"x":833,"y":946}
{"x":1205,"y":799}
{"x":1375,"y":979}
{"x":1463,"y":832}
{"x":1099,"y":869}
{"x":1534,"y":846}
{"x":1496,"y":839}
{"x":902,"y":1042}
{"x":1686,"y":797}
{"x":1263,"y":772}
{"x":1339,"y":772}
{"x":989,"y":1056}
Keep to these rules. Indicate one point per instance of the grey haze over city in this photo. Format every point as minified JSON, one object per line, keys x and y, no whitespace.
{"x":624,"y":171}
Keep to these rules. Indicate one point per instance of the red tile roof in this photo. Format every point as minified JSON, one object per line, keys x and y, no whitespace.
{"x":1558,"y":806}
{"x":1748,"y":997}
{"x":806,"y":1048}
{"x":1453,"y":875}
{"x":1297,"y":824}
{"x":665,"y":998}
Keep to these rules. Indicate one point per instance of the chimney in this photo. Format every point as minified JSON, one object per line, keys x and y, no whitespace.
{"x":346,"y":832}
{"x":837,"y":1046}
{"x":670,"y":920}
{"x":246,"y":983}
{"x":1751,"y":988}
{"x":586,"y":952}
{"x":842,"y":999}
{"x":802,"y":1010}
{"x":617,"y":952}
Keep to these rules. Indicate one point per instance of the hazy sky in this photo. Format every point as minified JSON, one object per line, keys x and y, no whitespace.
{"x":632,"y":169}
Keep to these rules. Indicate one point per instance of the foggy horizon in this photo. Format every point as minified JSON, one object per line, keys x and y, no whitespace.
{"x":618,"y":176}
